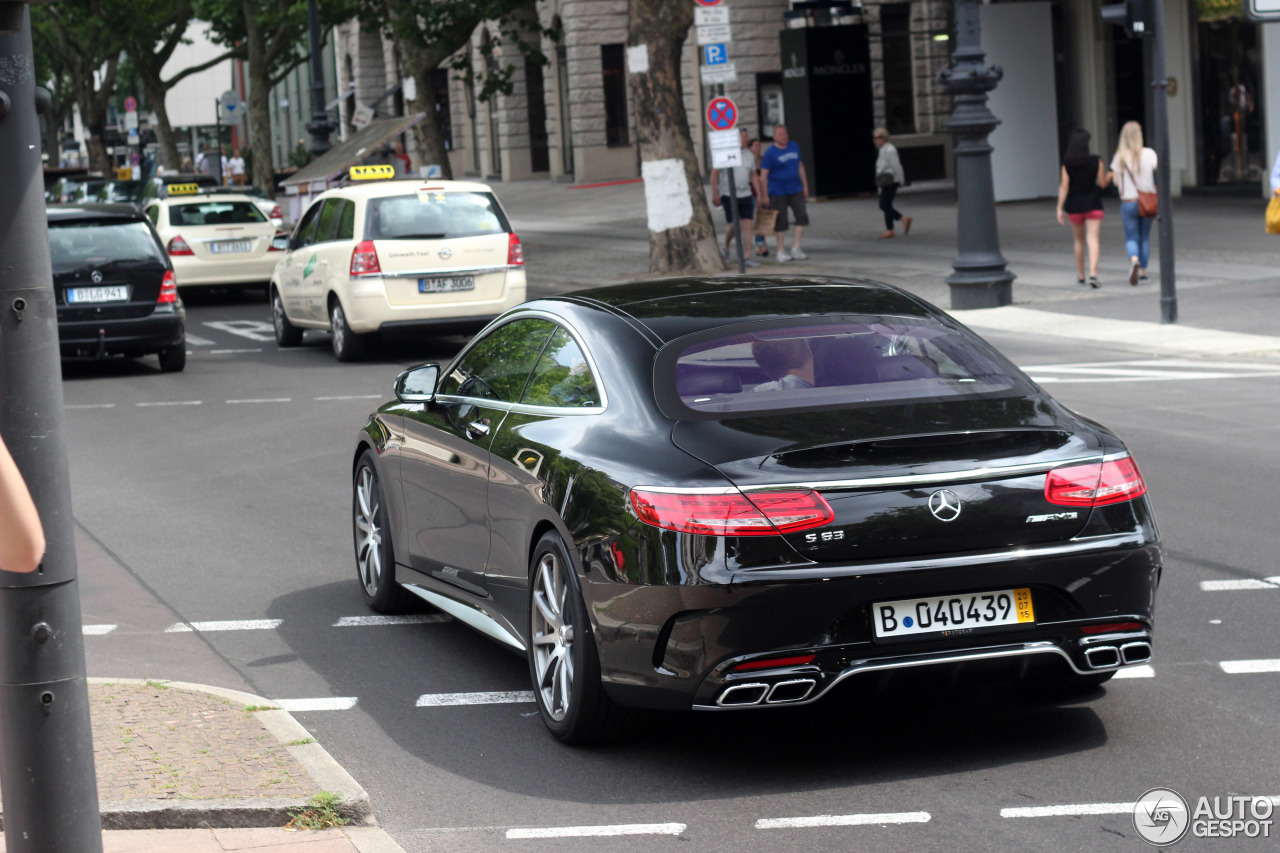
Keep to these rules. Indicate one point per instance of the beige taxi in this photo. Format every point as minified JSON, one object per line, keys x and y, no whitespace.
{"x":381,"y":255}
{"x":217,"y":239}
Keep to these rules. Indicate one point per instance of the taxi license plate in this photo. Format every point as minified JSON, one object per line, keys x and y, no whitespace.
{"x":449,"y":284}
{"x":81,"y":295}
{"x":915,"y":616}
{"x":227,"y":246}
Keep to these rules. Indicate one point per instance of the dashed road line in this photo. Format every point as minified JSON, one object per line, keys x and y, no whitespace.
{"x":197,"y":341}
{"x":1068,"y":810}
{"x":170,"y":403}
{"x":1245,"y":667}
{"x":261,"y":400}
{"x":1157,"y":370}
{"x":411,"y":619}
{"x":254,"y":330}
{"x":240,"y":625}
{"x":843,"y":820}
{"x":354,"y":397}
{"x":98,"y":630}
{"x":332,"y":703}
{"x":597,"y":831}
{"x":441,"y":700}
{"x":1143,"y":671}
{"x":90,"y":406}
{"x":233,"y":351}
{"x":1245,"y":583}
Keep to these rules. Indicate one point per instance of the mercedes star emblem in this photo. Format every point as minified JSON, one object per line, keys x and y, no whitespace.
{"x":944,"y":505}
{"x":97,"y":277}
{"x":445,"y":253}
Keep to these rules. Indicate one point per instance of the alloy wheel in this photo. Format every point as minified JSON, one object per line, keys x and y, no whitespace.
{"x":553,"y":635}
{"x":277,"y":315}
{"x":338,"y":327}
{"x":368,"y":531}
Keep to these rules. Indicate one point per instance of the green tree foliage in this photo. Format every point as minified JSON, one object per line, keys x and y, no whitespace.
{"x":78,"y":61}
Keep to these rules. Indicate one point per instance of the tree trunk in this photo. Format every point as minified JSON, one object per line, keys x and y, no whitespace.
{"x":99,"y":161}
{"x":427,"y":133}
{"x":264,"y":169}
{"x":682,"y":237}
{"x":156,"y":92}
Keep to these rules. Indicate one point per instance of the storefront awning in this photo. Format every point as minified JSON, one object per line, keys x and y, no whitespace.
{"x":334,"y":163}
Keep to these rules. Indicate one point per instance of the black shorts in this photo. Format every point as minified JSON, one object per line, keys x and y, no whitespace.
{"x":746,"y":208}
{"x":796,"y":203}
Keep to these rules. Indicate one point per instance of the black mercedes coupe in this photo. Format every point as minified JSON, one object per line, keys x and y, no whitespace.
{"x":726,"y":493}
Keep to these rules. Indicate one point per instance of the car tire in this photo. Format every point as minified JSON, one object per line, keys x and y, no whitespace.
{"x":174,"y":358}
{"x":287,"y":334}
{"x":564,"y":665}
{"x":375,"y":560}
{"x":347,"y":345}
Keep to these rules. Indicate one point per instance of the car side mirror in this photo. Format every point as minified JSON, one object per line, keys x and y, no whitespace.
{"x":418,"y":384}
{"x":280,"y":243}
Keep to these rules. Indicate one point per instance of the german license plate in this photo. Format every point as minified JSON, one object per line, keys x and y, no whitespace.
{"x":914,"y":616}
{"x":447,"y":284}
{"x":80,"y":295}
{"x":226,"y":246}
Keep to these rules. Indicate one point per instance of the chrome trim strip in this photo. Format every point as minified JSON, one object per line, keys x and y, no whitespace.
{"x":451,"y":271}
{"x":698,"y":490}
{"x":923,"y":479}
{"x":962,"y":656}
{"x":482,"y":622}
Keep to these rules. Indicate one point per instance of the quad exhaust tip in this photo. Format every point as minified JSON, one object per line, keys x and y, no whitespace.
{"x":1104,"y":657}
{"x":791,"y":691}
{"x":756,"y":693}
{"x":743,"y":694}
{"x":1139,"y":652}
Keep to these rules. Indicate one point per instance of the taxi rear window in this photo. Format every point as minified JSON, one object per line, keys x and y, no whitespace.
{"x":428,"y":215}
{"x":215,"y":213}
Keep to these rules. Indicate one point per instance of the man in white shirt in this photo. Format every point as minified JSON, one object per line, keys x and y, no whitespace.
{"x":236,"y":166}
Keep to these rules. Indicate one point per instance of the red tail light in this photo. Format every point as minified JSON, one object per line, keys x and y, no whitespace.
{"x":364,"y":259}
{"x":1109,"y":482}
{"x":168,"y":289}
{"x":732,"y":514}
{"x":1111,"y":629}
{"x":178,"y":246}
{"x":276,"y":213}
{"x":774,"y":663}
{"x":515,"y":251}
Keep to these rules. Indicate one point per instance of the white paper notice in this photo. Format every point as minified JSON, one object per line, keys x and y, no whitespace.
{"x":638,"y":59}
{"x":666,"y":194}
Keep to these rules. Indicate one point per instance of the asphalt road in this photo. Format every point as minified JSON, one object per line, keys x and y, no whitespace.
{"x":213,"y":529}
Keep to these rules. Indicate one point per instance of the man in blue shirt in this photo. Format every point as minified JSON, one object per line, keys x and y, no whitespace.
{"x":786,"y":187}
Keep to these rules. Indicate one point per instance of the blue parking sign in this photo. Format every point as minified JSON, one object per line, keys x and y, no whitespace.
{"x":714,"y":54}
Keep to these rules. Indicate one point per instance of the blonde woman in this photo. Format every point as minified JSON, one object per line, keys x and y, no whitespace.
{"x":1134,"y":171}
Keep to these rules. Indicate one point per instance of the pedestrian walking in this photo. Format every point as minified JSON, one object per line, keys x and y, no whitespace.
{"x":889,"y":176}
{"x":236,"y":166}
{"x":1133,"y":168}
{"x":402,"y":163}
{"x":761,"y":244}
{"x":744,"y":184}
{"x":786,"y":187}
{"x":1080,"y":199}
{"x":21,"y":534}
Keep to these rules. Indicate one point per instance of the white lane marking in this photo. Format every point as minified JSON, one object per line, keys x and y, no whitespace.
{"x":1136,"y":672}
{"x":90,"y":406}
{"x":1247,"y":583}
{"x":1236,"y":667}
{"x":843,"y":820}
{"x":241,"y":625}
{"x":99,"y":630}
{"x":1077,"y":809}
{"x":171,"y":403}
{"x":440,"y":700}
{"x":411,"y":619}
{"x":355,"y":397}
{"x":597,"y":831}
{"x":333,"y":703}
{"x":262,"y":400}
{"x":1164,"y":362}
{"x":254,"y":330}
{"x":232,"y":351}
{"x":197,"y":341}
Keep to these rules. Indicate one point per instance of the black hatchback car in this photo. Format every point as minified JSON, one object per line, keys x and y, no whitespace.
{"x":732,"y":493}
{"x":114,"y":285}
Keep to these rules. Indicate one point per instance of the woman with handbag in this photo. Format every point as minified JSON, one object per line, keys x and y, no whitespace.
{"x":1080,"y":199}
{"x":889,"y":176}
{"x":1134,"y":170}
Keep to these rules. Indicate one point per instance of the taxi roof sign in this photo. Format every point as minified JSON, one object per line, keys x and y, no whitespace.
{"x":184,"y":189}
{"x":372,"y":173}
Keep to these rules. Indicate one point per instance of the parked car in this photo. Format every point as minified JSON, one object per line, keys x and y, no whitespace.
{"x":115,"y":288}
{"x":729,"y":493}
{"x":65,"y":190}
{"x":268,"y":206}
{"x":385,"y":255}
{"x":215,"y":239}
{"x":89,"y":190}
{"x":121,"y":192}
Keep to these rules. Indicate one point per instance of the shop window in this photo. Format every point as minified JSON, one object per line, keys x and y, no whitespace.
{"x":615,"y":94}
{"x":899,"y":71}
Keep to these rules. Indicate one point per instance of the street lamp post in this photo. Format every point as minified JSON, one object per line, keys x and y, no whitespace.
{"x":980,"y":279}
{"x":320,"y":127}
{"x":46,"y":744}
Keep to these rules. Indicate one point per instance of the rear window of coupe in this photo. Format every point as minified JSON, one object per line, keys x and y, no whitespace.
{"x":763,"y":368}
{"x":427,"y":215}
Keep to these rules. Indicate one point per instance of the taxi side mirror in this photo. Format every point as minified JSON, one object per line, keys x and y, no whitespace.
{"x":280,"y":243}
{"x":418,"y":384}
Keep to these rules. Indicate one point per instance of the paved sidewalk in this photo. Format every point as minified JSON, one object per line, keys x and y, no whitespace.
{"x":187,"y":767}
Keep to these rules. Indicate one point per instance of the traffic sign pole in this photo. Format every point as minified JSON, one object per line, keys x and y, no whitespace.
{"x":722,"y":114}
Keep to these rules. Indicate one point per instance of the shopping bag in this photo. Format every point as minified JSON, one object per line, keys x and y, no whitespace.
{"x":767,"y":218}
{"x":1273,"y":215}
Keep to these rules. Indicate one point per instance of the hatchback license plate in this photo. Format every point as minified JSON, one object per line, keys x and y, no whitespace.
{"x":227,"y":246}
{"x":79,"y":295}
{"x":448,"y":284}
{"x":912,"y":616}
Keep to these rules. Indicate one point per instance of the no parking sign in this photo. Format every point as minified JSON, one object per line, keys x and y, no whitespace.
{"x":722,"y":113}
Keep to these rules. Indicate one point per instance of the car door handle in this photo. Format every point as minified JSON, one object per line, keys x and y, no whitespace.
{"x":477,"y":429}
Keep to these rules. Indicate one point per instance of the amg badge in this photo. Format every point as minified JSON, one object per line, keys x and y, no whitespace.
{"x":1053,"y":516}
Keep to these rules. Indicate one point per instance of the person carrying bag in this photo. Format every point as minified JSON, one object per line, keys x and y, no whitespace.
{"x":1139,"y":204}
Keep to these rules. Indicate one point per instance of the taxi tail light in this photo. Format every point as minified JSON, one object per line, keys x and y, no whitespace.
{"x":732,"y":514}
{"x":178,"y":246}
{"x":364,"y":259}
{"x":515,"y":251}
{"x":1098,"y":484}
{"x":168,"y":289}
{"x":276,"y":213}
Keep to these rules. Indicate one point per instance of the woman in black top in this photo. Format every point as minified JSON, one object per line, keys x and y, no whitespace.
{"x":1080,"y":198}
